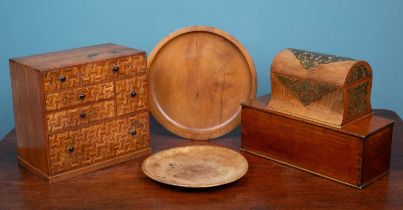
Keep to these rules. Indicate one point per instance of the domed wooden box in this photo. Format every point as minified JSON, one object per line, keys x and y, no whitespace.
{"x":319,"y":119}
{"x":318,"y":87}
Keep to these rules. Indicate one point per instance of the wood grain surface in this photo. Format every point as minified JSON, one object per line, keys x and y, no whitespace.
{"x":76,"y":56}
{"x":74,"y":109}
{"x":267,"y":185}
{"x":196,"y":166}
{"x":29,"y":116}
{"x":356,"y":154}
{"x":198,"y":76}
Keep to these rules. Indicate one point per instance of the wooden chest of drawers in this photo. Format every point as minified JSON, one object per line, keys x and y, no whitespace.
{"x":80,"y":110}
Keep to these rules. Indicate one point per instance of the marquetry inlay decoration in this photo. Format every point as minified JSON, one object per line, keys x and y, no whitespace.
{"x":358,"y":98}
{"x":311,"y":59}
{"x":360,"y":72}
{"x":305,"y":91}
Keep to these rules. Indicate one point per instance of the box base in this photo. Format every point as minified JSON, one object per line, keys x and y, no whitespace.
{"x":356,"y":154}
{"x":83,"y":170}
{"x":318,"y":174}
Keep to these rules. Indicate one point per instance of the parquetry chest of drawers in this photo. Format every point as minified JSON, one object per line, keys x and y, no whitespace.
{"x":80,"y":110}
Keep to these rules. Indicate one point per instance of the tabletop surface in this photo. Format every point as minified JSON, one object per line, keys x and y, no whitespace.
{"x":267,"y":184}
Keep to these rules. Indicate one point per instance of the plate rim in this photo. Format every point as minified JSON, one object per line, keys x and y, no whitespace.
{"x":228,"y":125}
{"x":149,"y":175}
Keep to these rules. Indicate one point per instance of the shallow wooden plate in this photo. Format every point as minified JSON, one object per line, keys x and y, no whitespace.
{"x":198,"y":76}
{"x":196,"y":166}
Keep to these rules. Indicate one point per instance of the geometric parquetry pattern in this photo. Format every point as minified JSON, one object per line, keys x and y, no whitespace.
{"x":93,"y":72}
{"x":71,"y":97}
{"x":99,"y":142}
{"x":99,"y":71}
{"x":68,"y":118}
{"x":139,"y":64}
{"x":91,"y":128}
{"x":52,"y":82}
{"x":125,"y":101}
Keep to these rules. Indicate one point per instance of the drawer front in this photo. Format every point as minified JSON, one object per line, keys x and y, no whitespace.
{"x":113,"y":68}
{"x":93,"y":72}
{"x":131,"y":95}
{"x":79,"y":96}
{"x":80,"y":115}
{"x":132,"y":135}
{"x":60,"y":79}
{"x":85,"y":146}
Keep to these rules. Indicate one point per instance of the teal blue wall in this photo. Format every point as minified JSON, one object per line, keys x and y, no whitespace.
{"x":369,"y":30}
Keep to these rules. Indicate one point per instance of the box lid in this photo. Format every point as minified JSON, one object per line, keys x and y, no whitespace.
{"x":362,"y":127}
{"x":324,"y":88}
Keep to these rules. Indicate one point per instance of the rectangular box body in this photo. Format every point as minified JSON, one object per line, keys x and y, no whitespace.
{"x":356,"y":154}
{"x":80,"y":110}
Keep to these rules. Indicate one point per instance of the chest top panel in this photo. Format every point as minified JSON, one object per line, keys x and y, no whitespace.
{"x":66,"y":58}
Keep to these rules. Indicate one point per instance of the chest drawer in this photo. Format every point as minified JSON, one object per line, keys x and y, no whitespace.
{"x":60,"y":120}
{"x":93,"y":72}
{"x":133,"y":134}
{"x":62,"y":78}
{"x":131,"y":95}
{"x":112,"y":68}
{"x":79,"y":96}
{"x":85,"y":146}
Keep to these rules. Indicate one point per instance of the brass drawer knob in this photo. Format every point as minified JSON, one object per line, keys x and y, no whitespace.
{"x":133,"y":132}
{"x":115,"y":68}
{"x":133,"y":93}
{"x":62,"y":78}
{"x":82,"y":96}
{"x":70,"y":149}
{"x":82,"y":114}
